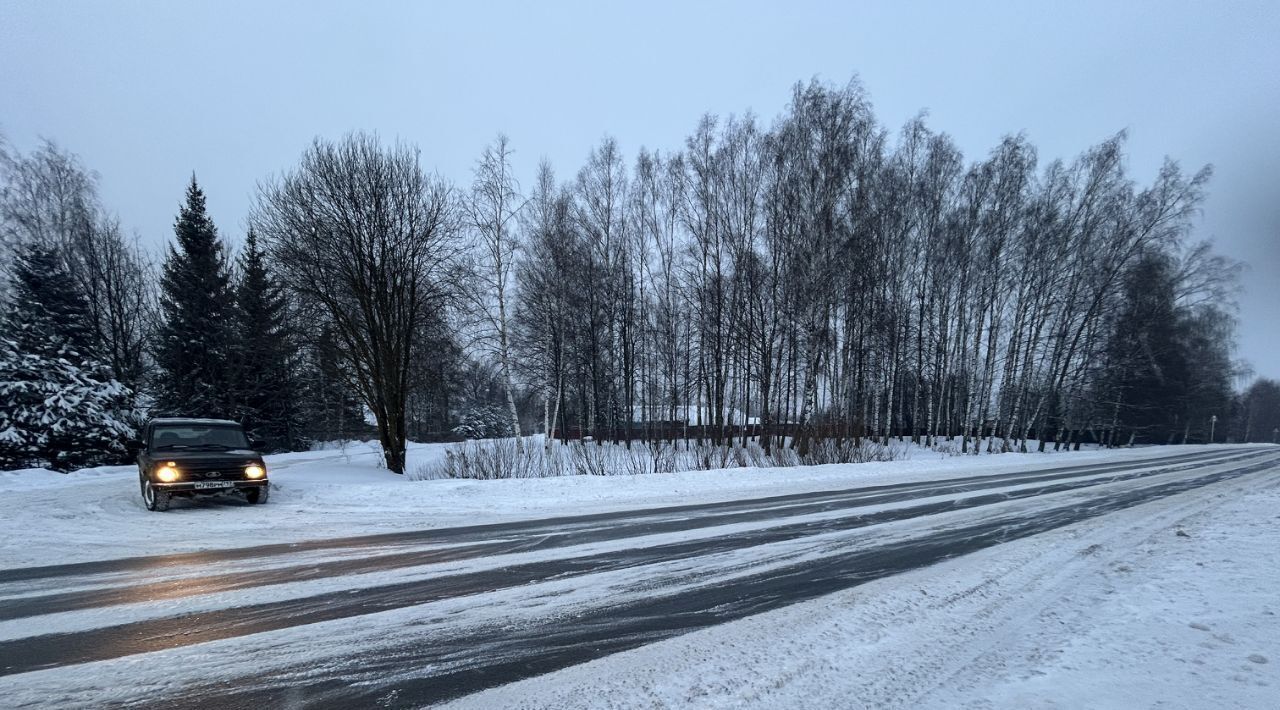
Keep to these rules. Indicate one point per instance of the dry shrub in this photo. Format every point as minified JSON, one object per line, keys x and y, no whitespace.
{"x":500,"y":458}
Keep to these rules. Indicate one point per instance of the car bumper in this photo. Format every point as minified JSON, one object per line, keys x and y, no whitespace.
{"x":209,"y":486}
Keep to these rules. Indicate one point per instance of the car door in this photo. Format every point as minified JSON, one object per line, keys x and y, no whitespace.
{"x":144,"y":456}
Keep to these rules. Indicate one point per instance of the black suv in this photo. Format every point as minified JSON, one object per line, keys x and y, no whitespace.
{"x":191,"y":457}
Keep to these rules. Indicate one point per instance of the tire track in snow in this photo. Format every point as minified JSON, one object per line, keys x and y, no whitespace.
{"x":153,"y":564}
{"x":38,"y":652}
{"x":444,"y":667}
{"x":470,"y":543}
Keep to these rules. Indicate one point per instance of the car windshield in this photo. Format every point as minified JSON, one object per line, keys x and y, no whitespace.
{"x":191,"y":436}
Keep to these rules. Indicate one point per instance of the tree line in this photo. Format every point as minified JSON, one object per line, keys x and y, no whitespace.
{"x":818,"y":275}
{"x":825,"y":274}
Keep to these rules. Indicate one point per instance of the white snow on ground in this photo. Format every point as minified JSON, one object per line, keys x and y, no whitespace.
{"x":1119,"y":611}
{"x":52,"y":518}
{"x":1171,"y":604}
{"x":754,"y":557}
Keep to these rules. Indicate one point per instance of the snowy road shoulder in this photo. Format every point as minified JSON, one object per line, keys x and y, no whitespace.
{"x":1168,"y":604}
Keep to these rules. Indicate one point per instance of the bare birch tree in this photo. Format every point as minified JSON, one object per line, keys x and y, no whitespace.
{"x":491,"y":212}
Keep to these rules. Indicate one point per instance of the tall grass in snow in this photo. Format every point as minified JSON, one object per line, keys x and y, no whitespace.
{"x":501,"y":458}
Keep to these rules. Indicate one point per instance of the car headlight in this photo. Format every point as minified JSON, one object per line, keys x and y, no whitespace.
{"x":167,"y":473}
{"x":253,"y":470}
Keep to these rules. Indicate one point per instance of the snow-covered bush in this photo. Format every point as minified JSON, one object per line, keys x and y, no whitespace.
{"x":483,"y":421}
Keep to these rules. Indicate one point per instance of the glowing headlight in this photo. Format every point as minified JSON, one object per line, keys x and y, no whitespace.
{"x":168,"y":472}
{"x":253,"y":470}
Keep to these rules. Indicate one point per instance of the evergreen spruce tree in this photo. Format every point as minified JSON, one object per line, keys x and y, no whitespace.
{"x":59,"y":406}
{"x":195,"y":347}
{"x":327,"y":408}
{"x":264,"y":382}
{"x":49,"y":315}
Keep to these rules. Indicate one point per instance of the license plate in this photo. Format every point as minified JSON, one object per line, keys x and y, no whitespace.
{"x":212,"y":484}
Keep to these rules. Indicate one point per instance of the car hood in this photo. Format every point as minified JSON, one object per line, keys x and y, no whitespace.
{"x":210,"y":457}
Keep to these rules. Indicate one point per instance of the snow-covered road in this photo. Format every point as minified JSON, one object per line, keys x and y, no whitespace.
{"x":411,"y":617}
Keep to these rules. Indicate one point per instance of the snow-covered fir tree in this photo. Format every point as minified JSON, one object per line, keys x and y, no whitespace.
{"x":196,"y":338}
{"x":48,"y":312}
{"x":59,"y":406}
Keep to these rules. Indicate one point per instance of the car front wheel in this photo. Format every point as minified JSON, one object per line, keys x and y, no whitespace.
{"x":154,"y":498}
{"x":256,"y":495}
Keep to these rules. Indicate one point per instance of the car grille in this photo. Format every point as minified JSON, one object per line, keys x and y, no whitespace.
{"x":213,"y":472}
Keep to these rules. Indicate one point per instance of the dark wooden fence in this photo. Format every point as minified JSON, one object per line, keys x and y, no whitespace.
{"x":678,"y":431}
{"x":675,"y":431}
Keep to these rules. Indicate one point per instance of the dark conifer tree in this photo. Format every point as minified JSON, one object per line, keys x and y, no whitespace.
{"x":327,"y":405}
{"x":59,"y":406}
{"x":264,"y":383}
{"x":1146,"y":363}
{"x":196,"y":339}
{"x":49,"y":315}
{"x":1258,"y":413}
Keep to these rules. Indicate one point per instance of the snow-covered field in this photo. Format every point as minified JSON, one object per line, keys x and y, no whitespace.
{"x":97,"y":514}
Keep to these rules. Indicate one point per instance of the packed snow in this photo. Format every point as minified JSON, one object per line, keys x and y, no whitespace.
{"x":97,"y":513}
{"x":1170,"y":603}
{"x":789,"y":551}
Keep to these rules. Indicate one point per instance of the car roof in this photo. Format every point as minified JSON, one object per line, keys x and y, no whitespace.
{"x":193,"y":420}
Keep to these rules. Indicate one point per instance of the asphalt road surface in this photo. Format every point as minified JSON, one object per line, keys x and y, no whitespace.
{"x":407,"y":619}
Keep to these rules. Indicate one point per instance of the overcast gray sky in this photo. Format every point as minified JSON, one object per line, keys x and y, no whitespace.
{"x":148,"y":92}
